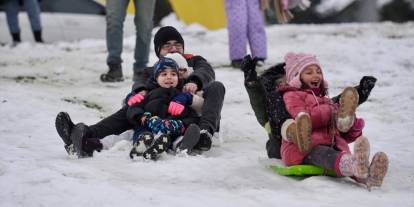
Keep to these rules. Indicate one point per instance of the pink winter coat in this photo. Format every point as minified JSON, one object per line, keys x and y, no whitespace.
{"x":320,"y":110}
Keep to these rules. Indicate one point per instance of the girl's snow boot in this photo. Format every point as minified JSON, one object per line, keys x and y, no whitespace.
{"x":377,"y":170}
{"x":361,"y":157}
{"x":346,"y":113}
{"x":299,"y":132}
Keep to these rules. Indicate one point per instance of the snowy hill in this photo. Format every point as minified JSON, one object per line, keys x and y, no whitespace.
{"x":38,"y":81}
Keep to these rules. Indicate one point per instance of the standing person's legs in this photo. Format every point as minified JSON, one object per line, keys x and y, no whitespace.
{"x":236,"y":13}
{"x":115,"y":16}
{"x":33,"y":11}
{"x":256,"y":30}
{"x":144,"y":12}
{"x":12,"y":12}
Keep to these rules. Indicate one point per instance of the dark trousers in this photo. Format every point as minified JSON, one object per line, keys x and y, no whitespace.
{"x":116,"y":123}
{"x":322,"y":156}
{"x":213,"y":103}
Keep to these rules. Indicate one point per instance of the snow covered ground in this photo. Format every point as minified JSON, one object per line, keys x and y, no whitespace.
{"x":38,"y":81}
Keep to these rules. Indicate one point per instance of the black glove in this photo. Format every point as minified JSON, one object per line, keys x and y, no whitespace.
{"x":365,"y":87}
{"x":248,"y":66}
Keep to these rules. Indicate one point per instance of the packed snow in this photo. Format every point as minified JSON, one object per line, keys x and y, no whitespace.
{"x":39,"y":80}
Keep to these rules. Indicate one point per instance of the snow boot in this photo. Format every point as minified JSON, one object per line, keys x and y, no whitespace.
{"x":144,"y":141}
{"x":78,"y":137}
{"x":346,"y":113}
{"x":361,"y":157}
{"x":114,"y":74}
{"x":189,"y":140}
{"x":299,"y":132}
{"x":38,"y":36}
{"x":159,"y":146}
{"x":205,"y":141}
{"x":377,"y":170}
{"x":64,"y":126}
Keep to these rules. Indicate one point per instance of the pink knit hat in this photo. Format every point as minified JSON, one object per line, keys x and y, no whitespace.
{"x":295,"y":63}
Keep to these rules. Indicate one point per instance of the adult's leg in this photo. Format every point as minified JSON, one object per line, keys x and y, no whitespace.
{"x":256,"y":30}
{"x":213,"y":103}
{"x":116,"y":123}
{"x":144,"y":12}
{"x":236,"y":12}
{"x":257,"y":101}
{"x":12,"y":12}
{"x":33,"y":11}
{"x":115,"y":16}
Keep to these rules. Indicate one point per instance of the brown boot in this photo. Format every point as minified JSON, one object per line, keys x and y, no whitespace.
{"x":361,"y":156}
{"x":299,"y":132}
{"x":346,"y":113}
{"x":377,"y":170}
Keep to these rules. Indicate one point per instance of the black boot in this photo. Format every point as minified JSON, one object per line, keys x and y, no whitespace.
{"x":79,"y":140}
{"x":143,"y":142}
{"x":205,"y":141}
{"x":189,"y":140}
{"x":38,"y":36}
{"x":159,"y":146}
{"x":114,"y":74}
{"x":64,"y":126}
{"x":16,"y":38}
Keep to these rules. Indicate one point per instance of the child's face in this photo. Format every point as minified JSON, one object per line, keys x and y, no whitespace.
{"x":168,"y":78}
{"x":312,"y":76}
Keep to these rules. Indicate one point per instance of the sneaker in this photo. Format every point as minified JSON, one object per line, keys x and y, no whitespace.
{"x":144,"y":141}
{"x":205,"y":141}
{"x":64,"y":126}
{"x":189,"y":140}
{"x":360,"y":157}
{"x":113,"y":75}
{"x":78,"y":137}
{"x":299,"y":132}
{"x":377,"y":170}
{"x":346,"y":113}
{"x":159,"y":146}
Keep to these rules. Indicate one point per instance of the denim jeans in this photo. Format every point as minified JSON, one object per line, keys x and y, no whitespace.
{"x":12,"y":8}
{"x":116,"y":12}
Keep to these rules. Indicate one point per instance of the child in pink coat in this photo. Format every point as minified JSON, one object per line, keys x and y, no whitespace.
{"x":322,"y":130}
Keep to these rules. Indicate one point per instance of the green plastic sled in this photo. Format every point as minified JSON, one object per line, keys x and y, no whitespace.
{"x":302,"y":170}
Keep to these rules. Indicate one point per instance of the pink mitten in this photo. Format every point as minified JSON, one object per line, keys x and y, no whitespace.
{"x":136,"y":99}
{"x":175,"y":108}
{"x":356,"y":130}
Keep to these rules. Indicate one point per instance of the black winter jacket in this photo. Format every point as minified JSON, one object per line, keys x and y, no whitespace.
{"x":156,"y":102}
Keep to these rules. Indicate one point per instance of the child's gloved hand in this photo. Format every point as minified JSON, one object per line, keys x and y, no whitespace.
{"x":154,"y":124}
{"x":134,"y":99}
{"x":170,"y":126}
{"x":178,"y":103}
{"x":248,"y":66}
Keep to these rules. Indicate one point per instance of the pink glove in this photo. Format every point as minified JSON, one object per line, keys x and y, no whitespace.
{"x":175,"y":108}
{"x":136,"y":99}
